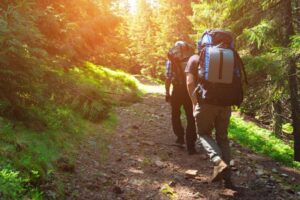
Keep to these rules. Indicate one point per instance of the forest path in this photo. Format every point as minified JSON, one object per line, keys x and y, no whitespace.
{"x":143,"y":163}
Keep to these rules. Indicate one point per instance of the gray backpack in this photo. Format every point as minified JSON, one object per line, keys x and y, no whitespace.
{"x":220,"y":70}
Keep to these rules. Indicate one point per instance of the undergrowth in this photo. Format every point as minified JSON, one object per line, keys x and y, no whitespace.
{"x":54,"y":118}
{"x":262,"y":141}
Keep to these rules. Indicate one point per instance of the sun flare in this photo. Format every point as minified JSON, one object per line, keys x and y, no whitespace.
{"x":132,"y":6}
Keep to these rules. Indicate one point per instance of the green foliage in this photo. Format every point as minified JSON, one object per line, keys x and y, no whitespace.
{"x":48,"y":94}
{"x":35,"y":50}
{"x":12,"y":186}
{"x":295,"y":44}
{"x":33,"y":152}
{"x":111,"y":122}
{"x":261,"y":141}
{"x":259,"y":35}
{"x":91,"y":90}
{"x":102,"y":135}
{"x":168,"y":191}
{"x":44,"y":98}
{"x":208,"y":15}
{"x":260,"y":30}
{"x":146,"y":36}
{"x":287,"y":128}
{"x":267,"y":83}
{"x":86,"y":92}
{"x":268,"y":64}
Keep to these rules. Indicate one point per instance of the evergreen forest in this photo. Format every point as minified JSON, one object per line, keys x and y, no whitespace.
{"x":68,"y":67}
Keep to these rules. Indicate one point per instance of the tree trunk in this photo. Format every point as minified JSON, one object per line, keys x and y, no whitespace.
{"x":292,"y":74}
{"x":277,"y":117}
{"x":297,"y":14}
{"x":293,"y":85}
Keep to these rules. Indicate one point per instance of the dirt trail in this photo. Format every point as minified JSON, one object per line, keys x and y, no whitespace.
{"x":143,"y":164}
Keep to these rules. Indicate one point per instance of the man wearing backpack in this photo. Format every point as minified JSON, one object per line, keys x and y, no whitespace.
{"x":214,"y":85}
{"x":178,"y":57}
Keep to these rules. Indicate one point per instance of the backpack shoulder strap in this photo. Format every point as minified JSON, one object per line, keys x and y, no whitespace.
{"x":201,"y":61}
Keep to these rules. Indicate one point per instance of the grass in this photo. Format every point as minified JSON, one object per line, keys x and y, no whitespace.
{"x":102,"y":134}
{"x":28,"y":157}
{"x":110,"y":123}
{"x":22,"y":160}
{"x":262,"y":141}
{"x":78,"y":100}
{"x":93,"y":90}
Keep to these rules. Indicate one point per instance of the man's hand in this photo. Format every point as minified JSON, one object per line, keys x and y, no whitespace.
{"x":168,"y":98}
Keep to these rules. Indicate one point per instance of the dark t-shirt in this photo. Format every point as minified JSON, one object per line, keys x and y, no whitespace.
{"x":192,"y":65}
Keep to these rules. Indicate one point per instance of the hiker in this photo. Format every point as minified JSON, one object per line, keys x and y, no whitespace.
{"x":175,"y":66}
{"x":214,"y":81}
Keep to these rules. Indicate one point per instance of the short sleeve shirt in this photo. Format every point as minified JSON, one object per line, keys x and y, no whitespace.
{"x":192,"y":65}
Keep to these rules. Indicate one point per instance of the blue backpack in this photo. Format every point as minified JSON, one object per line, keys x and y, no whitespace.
{"x":220,"y":70}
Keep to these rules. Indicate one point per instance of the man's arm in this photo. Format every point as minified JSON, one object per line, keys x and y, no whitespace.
{"x":191,"y":86}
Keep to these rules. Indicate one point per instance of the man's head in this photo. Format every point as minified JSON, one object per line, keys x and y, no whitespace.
{"x":180,"y":51}
{"x":179,"y":43}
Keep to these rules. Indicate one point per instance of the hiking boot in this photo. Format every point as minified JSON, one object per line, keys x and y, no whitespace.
{"x":219,"y":170}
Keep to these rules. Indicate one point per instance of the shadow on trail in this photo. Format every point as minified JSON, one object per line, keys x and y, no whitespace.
{"x":146,"y":160}
{"x":143,"y":163}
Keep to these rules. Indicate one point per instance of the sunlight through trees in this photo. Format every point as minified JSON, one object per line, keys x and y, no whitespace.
{"x":47,"y":84}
